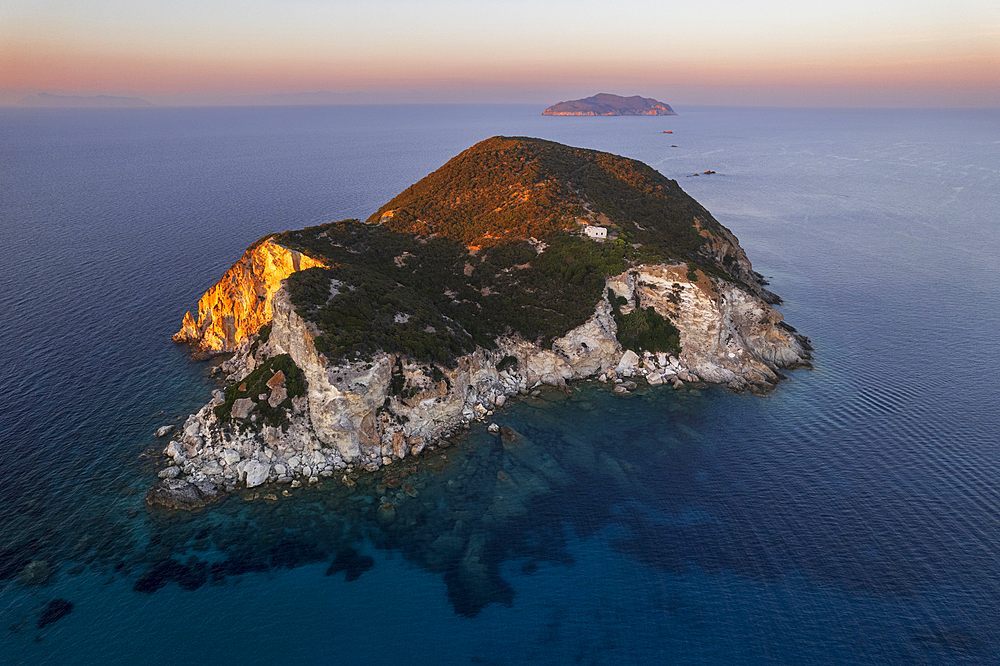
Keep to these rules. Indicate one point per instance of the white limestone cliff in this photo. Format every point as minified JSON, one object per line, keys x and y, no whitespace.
{"x":352,"y":416}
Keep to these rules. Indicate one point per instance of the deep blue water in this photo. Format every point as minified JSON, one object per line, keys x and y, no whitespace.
{"x":850,"y":517}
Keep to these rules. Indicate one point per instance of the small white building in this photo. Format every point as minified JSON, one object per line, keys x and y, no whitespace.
{"x":597,"y":233}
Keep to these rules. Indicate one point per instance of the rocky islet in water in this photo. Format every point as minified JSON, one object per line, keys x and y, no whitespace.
{"x":519,"y":263}
{"x":606,"y":104}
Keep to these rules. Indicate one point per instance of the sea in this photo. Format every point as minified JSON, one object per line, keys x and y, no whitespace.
{"x":850,"y":516}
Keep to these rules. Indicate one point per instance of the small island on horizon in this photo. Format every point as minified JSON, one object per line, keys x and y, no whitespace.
{"x":49,"y":100}
{"x":606,"y":104}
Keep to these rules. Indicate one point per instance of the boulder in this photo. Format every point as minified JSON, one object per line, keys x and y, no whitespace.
{"x":256,"y":473}
{"x":163,"y":431}
{"x":171,"y":472}
{"x":174,"y":450}
{"x":242,"y":408}
{"x":628,"y":363}
{"x":276,"y":380}
{"x":192,"y":428}
{"x":278,"y":396}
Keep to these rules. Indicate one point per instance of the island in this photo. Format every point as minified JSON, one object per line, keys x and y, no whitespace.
{"x":606,"y":104}
{"x":519,"y":263}
{"x":48,"y":100}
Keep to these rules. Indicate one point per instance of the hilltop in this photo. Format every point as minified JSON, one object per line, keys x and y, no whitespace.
{"x":491,"y":244}
{"x":507,"y":189}
{"x":606,"y":104}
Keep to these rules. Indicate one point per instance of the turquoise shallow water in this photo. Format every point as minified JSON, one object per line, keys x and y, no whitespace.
{"x":849,"y":517}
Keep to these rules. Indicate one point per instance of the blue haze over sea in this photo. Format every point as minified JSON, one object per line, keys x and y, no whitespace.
{"x":852,"y":516}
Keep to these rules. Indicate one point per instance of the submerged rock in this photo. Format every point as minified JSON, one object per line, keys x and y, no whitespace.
{"x":55,"y":610}
{"x":36,"y":574}
{"x":474,"y":583}
{"x":386,"y":513}
{"x":351,"y":563}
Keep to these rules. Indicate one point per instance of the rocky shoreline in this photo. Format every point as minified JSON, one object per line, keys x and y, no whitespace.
{"x":361,"y":416}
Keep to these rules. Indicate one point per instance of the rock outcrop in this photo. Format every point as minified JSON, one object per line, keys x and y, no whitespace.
{"x":240,"y":303}
{"x":728,"y":334}
{"x":366,"y":414}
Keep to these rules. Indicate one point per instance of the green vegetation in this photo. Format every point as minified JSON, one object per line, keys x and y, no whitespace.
{"x":488,"y":245}
{"x":432,"y":300}
{"x":507,"y":363}
{"x":255,"y":385}
{"x":398,"y":380}
{"x":644,"y":329}
{"x":675,"y":293}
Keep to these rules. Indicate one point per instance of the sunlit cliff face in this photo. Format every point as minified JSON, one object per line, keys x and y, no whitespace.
{"x":240,"y":303}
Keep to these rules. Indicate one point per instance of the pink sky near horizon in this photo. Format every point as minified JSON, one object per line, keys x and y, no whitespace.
{"x":876,"y":53}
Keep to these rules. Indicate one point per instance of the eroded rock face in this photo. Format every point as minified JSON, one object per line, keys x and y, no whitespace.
{"x":728,"y":335}
{"x":362,"y":415}
{"x":340,"y":397}
{"x":240,"y":303}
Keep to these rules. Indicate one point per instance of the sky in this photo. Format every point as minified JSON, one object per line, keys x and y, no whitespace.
{"x":917,"y":53}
